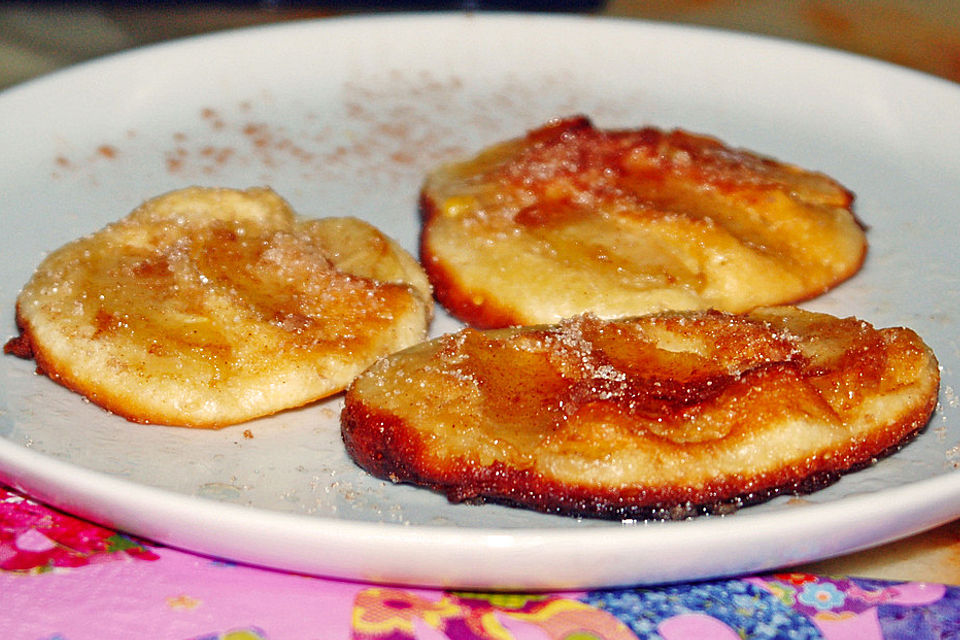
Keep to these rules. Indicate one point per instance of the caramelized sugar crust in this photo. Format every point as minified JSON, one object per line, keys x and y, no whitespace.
{"x":666,"y":415}
{"x":572,"y":219}
{"x":207,"y":307}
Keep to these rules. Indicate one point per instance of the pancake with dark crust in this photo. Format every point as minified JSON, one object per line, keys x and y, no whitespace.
{"x":208,"y":307}
{"x":661,"y":416}
{"x":574,"y":219}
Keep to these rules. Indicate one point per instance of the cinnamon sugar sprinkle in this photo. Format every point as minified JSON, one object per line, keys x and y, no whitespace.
{"x":395,"y":125}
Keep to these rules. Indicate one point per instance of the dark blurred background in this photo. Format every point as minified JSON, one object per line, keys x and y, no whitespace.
{"x":40,"y":36}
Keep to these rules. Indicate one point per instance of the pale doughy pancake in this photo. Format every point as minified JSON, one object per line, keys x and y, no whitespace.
{"x":572,"y":219}
{"x":664,"y":416}
{"x":208,"y":307}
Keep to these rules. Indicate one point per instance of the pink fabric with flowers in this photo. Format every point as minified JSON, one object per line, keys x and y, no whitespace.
{"x":65,"y":579}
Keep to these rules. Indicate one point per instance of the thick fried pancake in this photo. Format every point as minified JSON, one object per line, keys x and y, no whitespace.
{"x":665,"y":415}
{"x":572,"y":219}
{"x":208,"y":307}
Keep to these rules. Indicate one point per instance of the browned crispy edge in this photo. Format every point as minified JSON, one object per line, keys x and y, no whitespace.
{"x":447,"y":289}
{"x":489,"y":314}
{"x":387,"y":447}
{"x":24,"y":346}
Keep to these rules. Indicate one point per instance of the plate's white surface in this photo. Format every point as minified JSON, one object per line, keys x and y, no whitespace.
{"x":343,"y":117}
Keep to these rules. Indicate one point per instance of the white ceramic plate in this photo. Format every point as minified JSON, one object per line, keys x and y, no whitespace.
{"x":343,"y":117}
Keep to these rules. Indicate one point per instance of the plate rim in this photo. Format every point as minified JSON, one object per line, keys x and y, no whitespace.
{"x":201,"y":513}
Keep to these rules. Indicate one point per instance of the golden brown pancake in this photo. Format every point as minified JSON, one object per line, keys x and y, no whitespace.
{"x":660,"y":416}
{"x":208,"y":307}
{"x":572,"y":219}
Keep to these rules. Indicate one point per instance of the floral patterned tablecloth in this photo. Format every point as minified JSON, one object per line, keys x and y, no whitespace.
{"x":65,"y":579}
